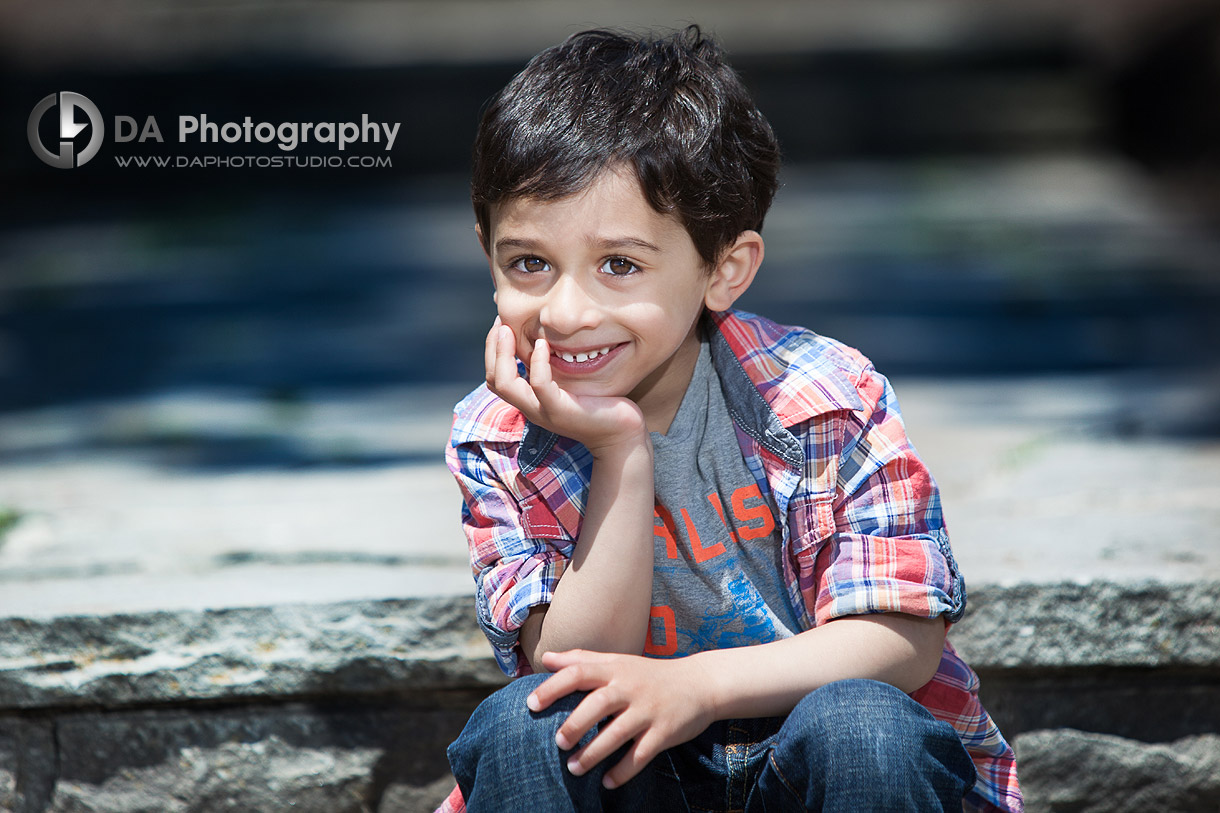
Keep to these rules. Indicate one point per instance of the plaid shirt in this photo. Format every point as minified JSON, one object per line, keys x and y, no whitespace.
{"x":822,"y":434}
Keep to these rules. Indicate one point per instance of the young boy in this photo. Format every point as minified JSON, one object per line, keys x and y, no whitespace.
{"x":700,"y":539}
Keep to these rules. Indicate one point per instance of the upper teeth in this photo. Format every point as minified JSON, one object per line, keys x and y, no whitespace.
{"x":578,"y":357}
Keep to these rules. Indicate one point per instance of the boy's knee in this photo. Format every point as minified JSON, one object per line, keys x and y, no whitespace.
{"x":506,"y":757}
{"x":505,"y":710}
{"x":867,"y":729}
{"x":501,"y":731}
{"x":509,"y":701}
{"x":503,"y":719}
{"x":864,"y":745}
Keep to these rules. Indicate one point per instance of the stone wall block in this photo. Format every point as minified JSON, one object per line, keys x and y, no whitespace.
{"x":1065,"y":770}
{"x":376,"y":756}
{"x":28,"y":763}
{"x":266,"y":775}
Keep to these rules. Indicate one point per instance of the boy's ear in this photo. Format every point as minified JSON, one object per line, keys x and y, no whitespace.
{"x":478,"y":233}
{"x":735,"y":271}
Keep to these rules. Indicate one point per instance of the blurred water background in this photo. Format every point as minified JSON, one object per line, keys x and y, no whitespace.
{"x":971,"y":191}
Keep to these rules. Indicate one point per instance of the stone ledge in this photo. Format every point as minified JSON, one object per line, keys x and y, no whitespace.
{"x":292,"y":651}
{"x":1097,"y":624}
{"x":417,"y":645}
{"x":349,"y":707}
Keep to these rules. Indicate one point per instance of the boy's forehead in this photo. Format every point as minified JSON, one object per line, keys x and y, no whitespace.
{"x":610,"y":208}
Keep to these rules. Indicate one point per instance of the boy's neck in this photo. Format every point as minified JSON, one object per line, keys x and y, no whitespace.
{"x":660,"y":395}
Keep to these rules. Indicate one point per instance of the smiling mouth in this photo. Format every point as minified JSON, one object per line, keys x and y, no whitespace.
{"x":581,"y":358}
{"x":585,"y":361}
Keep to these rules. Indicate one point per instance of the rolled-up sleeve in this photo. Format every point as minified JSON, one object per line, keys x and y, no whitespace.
{"x":516,"y":563}
{"x":883,"y":546}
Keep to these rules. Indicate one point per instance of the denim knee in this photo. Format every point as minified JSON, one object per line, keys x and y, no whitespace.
{"x":503,"y":718}
{"x":502,"y":742}
{"x":506,"y":758}
{"x":862,"y":744}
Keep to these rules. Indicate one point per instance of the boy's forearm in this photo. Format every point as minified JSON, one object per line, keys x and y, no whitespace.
{"x":770,"y":679}
{"x":602,"y":600}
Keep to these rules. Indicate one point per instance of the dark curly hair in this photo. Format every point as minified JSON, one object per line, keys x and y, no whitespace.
{"x":669,"y":106}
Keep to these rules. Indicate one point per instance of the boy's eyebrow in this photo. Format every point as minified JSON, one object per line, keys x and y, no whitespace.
{"x":608,"y":243}
{"x":517,"y":242}
{"x":626,"y":242}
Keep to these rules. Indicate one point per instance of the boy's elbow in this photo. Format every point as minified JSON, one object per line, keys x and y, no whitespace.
{"x":927,"y":638}
{"x":530,"y":637}
{"x":921,"y":648}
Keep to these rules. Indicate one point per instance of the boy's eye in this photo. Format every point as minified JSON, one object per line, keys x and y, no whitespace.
{"x":619,"y":266}
{"x":530,"y":265}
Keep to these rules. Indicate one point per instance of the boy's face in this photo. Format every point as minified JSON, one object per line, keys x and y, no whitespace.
{"x":615,"y":287}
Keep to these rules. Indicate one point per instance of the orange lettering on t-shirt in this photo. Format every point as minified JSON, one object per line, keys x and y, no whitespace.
{"x":702,"y":554}
{"x":759,"y":513}
{"x":669,"y":632}
{"x":666,"y":531}
{"x":714,"y":499}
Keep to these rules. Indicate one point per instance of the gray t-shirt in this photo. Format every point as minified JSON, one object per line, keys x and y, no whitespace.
{"x":717,"y":558}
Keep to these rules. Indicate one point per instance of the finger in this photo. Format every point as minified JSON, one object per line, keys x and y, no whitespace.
{"x":496,"y":368}
{"x":489,"y":351}
{"x":554,"y":661}
{"x":540,"y":365}
{"x":613,"y":736}
{"x":550,"y":397}
{"x":597,"y":706}
{"x":507,"y":382}
{"x":506,"y":357}
{"x":637,"y":758}
{"x":562,"y":683}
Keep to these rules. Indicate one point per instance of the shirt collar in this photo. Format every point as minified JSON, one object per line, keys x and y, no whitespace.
{"x":747,"y":407}
{"x":798,"y":373}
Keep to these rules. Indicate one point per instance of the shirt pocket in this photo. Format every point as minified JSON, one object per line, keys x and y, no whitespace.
{"x":551,"y":506}
{"x":538,"y":521}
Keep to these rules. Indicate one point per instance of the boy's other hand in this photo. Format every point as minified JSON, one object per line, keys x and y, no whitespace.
{"x":601,"y":423}
{"x":655,"y":704}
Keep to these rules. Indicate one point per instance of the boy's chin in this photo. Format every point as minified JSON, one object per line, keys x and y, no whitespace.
{"x":587,"y":388}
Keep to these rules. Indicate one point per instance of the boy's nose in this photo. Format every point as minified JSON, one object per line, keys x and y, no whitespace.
{"x":567,"y":308}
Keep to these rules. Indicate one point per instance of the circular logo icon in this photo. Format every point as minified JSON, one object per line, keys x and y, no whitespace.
{"x":66,"y":158}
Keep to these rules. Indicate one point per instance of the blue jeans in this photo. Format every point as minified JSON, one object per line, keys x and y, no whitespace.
{"x":854,"y":745}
